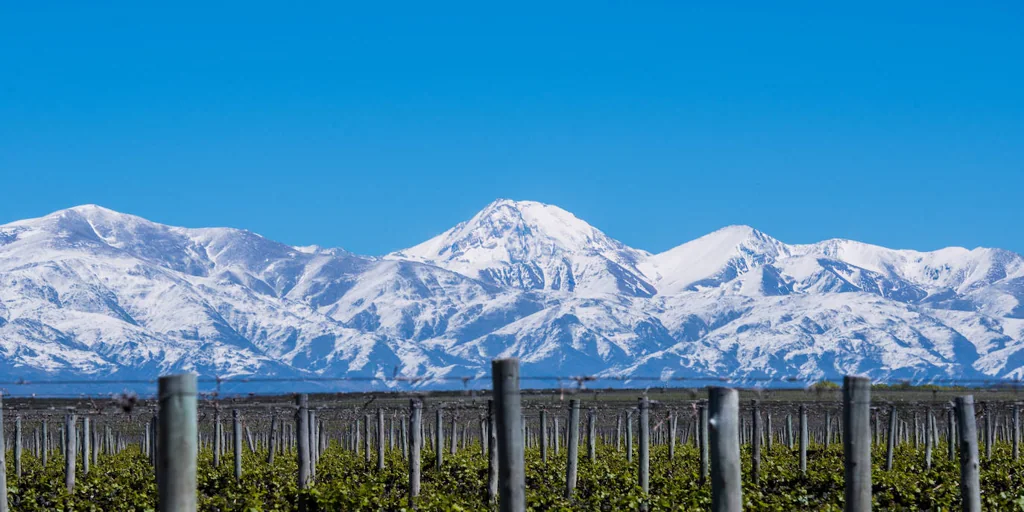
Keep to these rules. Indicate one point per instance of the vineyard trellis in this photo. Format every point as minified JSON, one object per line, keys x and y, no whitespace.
{"x":729,"y":437}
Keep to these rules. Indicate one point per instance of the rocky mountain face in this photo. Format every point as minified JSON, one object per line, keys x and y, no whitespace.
{"x":89,"y":292}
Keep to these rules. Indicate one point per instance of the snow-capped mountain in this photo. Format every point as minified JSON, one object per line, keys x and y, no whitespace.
{"x":534,"y":246}
{"x":92,"y":292}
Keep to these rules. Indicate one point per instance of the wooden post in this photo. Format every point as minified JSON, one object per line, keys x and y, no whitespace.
{"x":789,"y":432}
{"x":453,"y":436}
{"x":554,"y":435}
{"x":1016,"y":431}
{"x":989,"y":432}
{"x":439,"y":438}
{"x":405,"y":439}
{"x":629,"y":437}
{"x":415,"y":444}
{"x":367,"y":437}
{"x":249,"y":440}
{"x":95,"y":444}
{"x":929,"y":439}
{"x":672,"y":418}
{"x":17,"y":445}
{"x":236,"y":438}
{"x":768,"y":429}
{"x":3,"y":455}
{"x":891,"y":446}
{"x":723,"y":424}
{"x":592,"y":435}
{"x":153,"y":447}
{"x":803,"y":439}
{"x":302,"y":440}
{"x":380,"y":439}
{"x":356,"y":439}
{"x":702,"y":424}
{"x":272,"y":442}
{"x":511,"y":472}
{"x":951,"y":434}
{"x":69,"y":452}
{"x":46,"y":442}
{"x":544,"y":436}
{"x":218,"y":446}
{"x":178,"y":442}
{"x":574,"y":445}
{"x":618,"y":432}
{"x":492,"y":453}
{"x":828,"y":428}
{"x":970,"y":487}
{"x":755,"y":440}
{"x":311,"y":437}
{"x":645,"y":448}
{"x":85,"y":445}
{"x":857,"y":443}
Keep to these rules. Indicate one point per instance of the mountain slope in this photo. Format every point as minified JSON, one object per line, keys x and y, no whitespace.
{"x":90,"y":291}
{"x":533,"y":246}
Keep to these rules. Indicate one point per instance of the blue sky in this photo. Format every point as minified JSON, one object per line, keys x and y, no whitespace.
{"x":375,"y":127}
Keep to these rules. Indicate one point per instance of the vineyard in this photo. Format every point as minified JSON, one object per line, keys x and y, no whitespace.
{"x":581,"y":450}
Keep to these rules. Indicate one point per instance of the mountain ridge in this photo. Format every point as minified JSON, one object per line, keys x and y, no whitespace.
{"x":91,"y":291}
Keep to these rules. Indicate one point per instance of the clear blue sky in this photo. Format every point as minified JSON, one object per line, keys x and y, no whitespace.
{"x":374,"y":128}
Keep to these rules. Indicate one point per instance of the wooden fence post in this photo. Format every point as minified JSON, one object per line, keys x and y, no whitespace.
{"x":929,"y":438}
{"x":755,"y":441}
{"x":574,"y":446}
{"x":544,"y":436}
{"x":218,"y":441}
{"x":891,"y":441}
{"x":645,"y":448}
{"x":272,"y":443}
{"x":69,"y":452}
{"x":723,"y":424}
{"x":178,"y":442}
{"x":828,"y":428}
{"x":302,"y":440}
{"x":857,"y":443}
{"x":672,"y":419}
{"x":592,"y":435}
{"x":629,"y":436}
{"x":236,"y":442}
{"x":415,"y":444}
{"x":618,"y":432}
{"x":85,"y":445}
{"x":380,"y":439}
{"x":17,"y":446}
{"x":492,"y":452}
{"x":439,"y":438}
{"x":45,"y":442}
{"x":702,"y":424}
{"x":512,"y":476}
{"x":970,"y":487}
{"x":1016,"y":431}
{"x":3,"y":455}
{"x":367,"y":437}
{"x":803,"y":439}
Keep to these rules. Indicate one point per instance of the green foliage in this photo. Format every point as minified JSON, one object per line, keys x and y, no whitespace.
{"x":346,"y":481}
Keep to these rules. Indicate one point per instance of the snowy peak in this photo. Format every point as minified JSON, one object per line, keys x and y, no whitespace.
{"x":712,"y":259}
{"x":953,"y":268}
{"x":508,"y":230}
{"x":90,"y":291}
{"x":535,"y":246}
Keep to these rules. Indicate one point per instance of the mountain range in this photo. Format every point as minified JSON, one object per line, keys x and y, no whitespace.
{"x":90,"y":293}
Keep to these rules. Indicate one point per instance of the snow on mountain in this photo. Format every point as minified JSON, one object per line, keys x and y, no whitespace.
{"x":712,"y":259}
{"x":92,"y":292}
{"x":534,"y":246}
